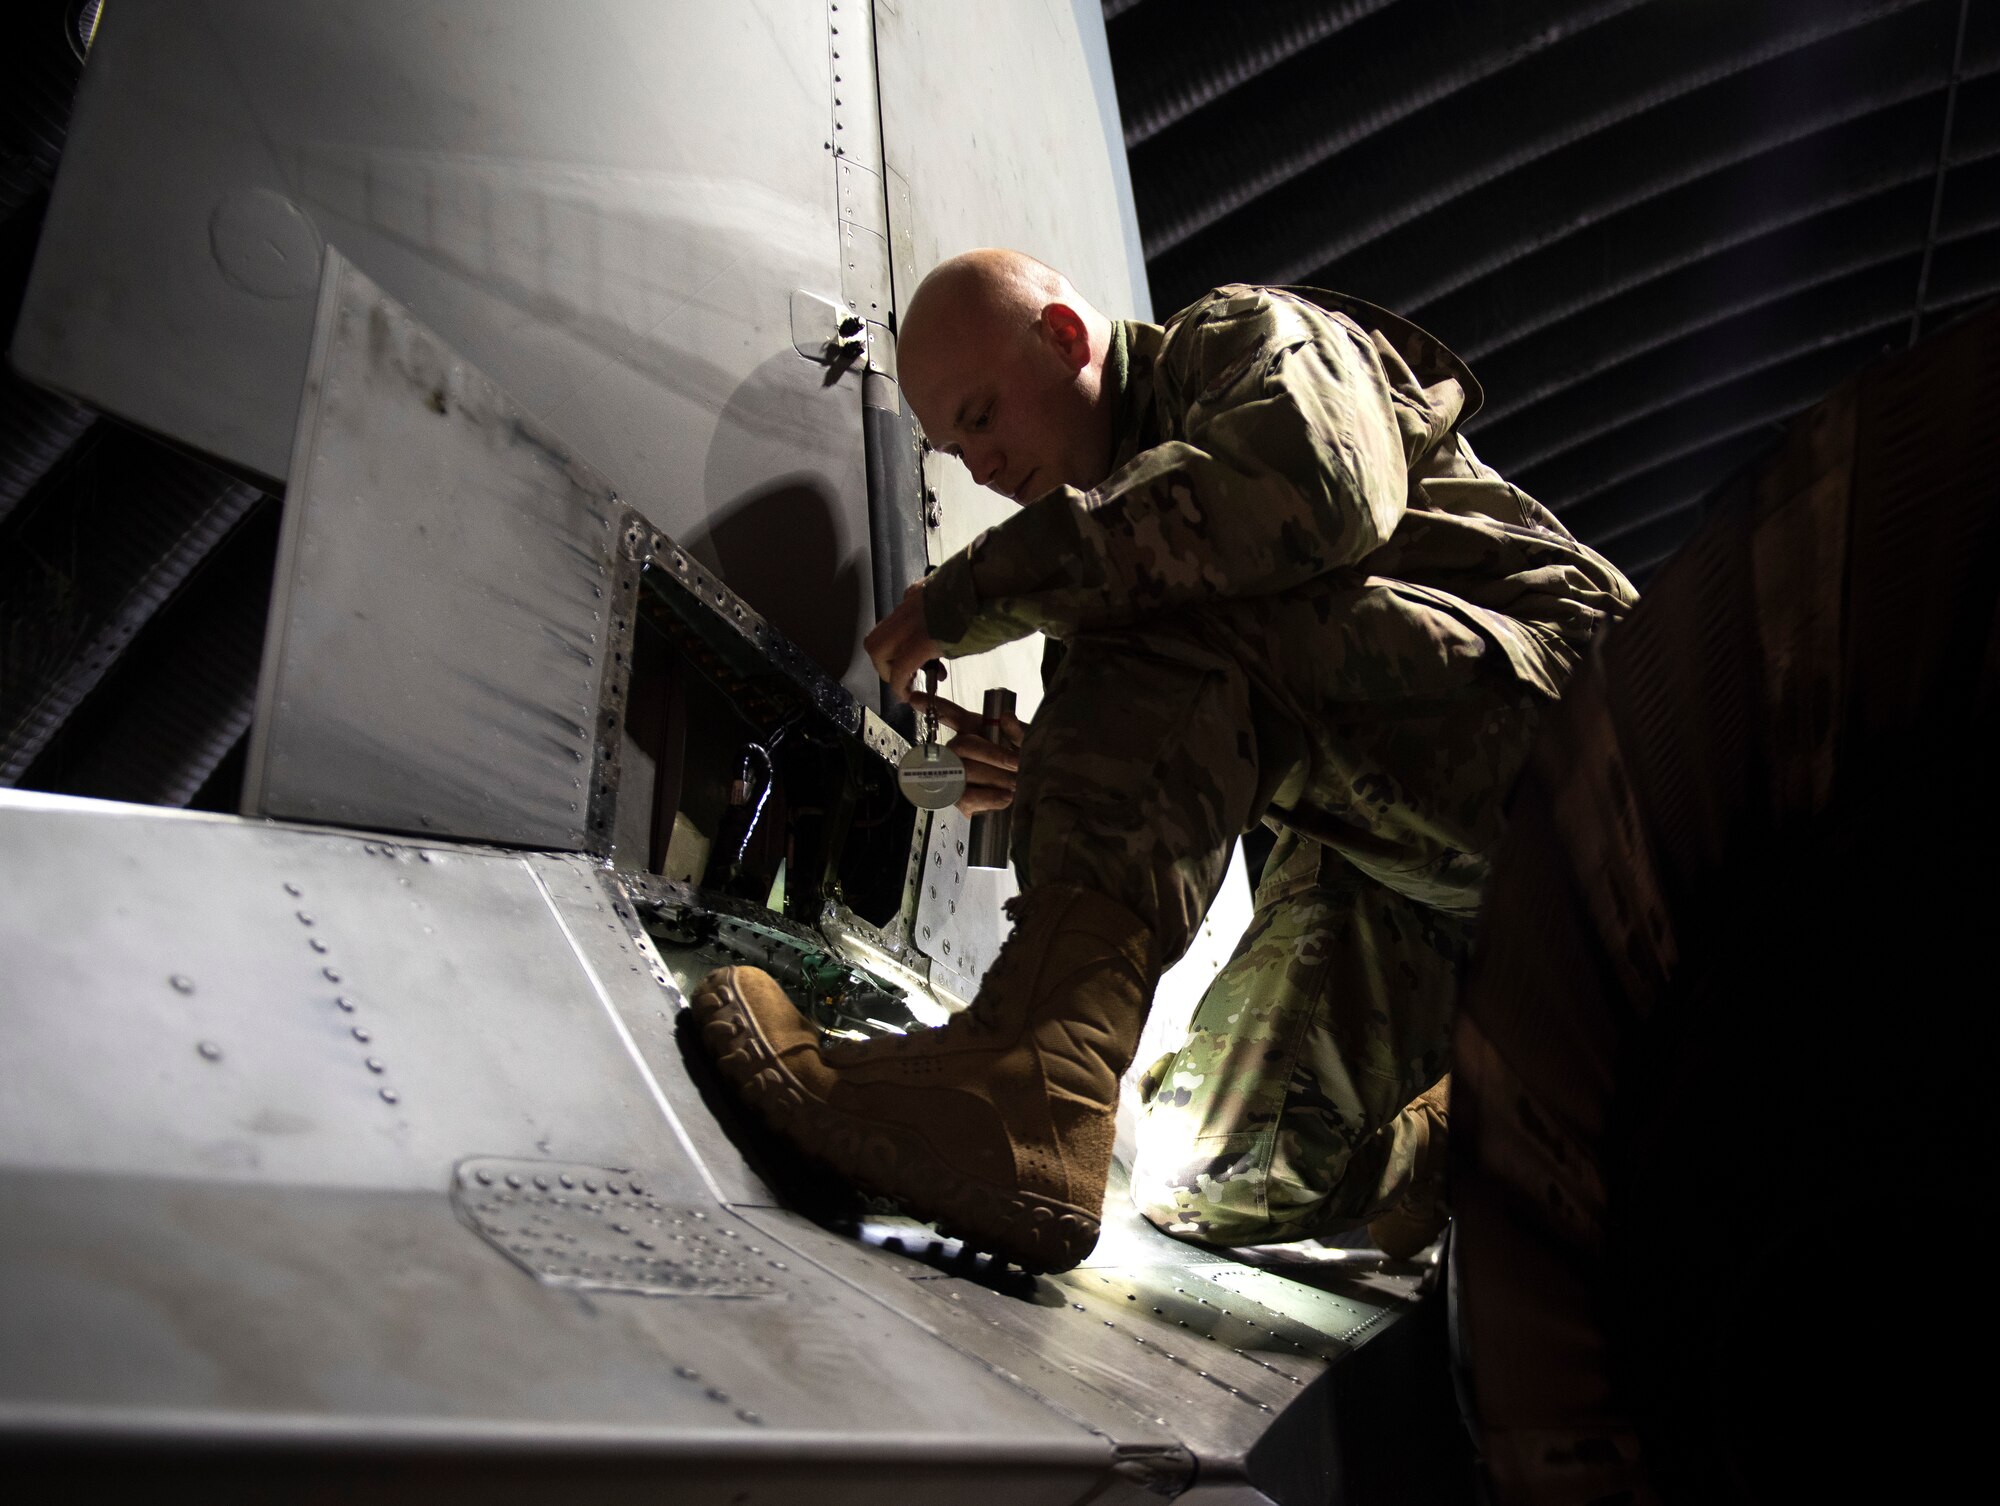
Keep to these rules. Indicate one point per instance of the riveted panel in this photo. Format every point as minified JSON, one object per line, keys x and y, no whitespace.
{"x":601,"y":1229}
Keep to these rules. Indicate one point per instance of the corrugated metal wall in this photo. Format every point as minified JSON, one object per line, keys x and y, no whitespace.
{"x":1657,"y":228}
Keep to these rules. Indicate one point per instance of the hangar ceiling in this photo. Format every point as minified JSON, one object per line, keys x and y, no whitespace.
{"x":1657,"y":229}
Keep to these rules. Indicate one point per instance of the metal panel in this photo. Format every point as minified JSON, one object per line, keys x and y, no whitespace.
{"x":960,"y":923}
{"x":288,"y":1318}
{"x":647,"y":1002}
{"x":207,"y":997}
{"x":1181,"y":1355}
{"x":925,"y":1293}
{"x":602,"y":1229}
{"x":286,"y":1059}
{"x":976,"y":151}
{"x":436,"y":646}
{"x":230,"y":1198}
{"x":605,"y":205}
{"x":857,"y":144}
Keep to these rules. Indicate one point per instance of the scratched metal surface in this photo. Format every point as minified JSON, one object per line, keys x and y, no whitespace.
{"x":440,"y":621}
{"x":268,"y":1096}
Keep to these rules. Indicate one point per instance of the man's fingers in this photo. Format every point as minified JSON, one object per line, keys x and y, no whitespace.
{"x":905,"y":665}
{"x":984,"y":776}
{"x":883,"y":640}
{"x":980,"y":798}
{"x":961,"y":719}
{"x":974,"y":749}
{"x":899,"y":644}
{"x":949,"y":712}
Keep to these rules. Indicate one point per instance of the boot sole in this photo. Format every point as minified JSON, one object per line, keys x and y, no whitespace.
{"x":1033,"y":1232}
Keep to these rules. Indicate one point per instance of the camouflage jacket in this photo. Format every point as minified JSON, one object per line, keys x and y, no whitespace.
{"x":1266,"y":437}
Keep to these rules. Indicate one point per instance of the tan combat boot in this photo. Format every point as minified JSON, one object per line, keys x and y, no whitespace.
{"x":997,"y":1125}
{"x":1410,"y":1225}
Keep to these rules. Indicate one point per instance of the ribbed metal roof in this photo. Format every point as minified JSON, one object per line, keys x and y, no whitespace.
{"x":1657,"y":228}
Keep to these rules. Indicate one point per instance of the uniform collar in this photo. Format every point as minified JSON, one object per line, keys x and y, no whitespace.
{"x":1128,"y":372}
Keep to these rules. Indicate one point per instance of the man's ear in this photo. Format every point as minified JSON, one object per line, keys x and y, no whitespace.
{"x":1066,"y":333}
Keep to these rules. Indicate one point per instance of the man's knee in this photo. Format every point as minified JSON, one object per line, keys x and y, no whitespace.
{"x":1213,"y":1196}
{"x":1249,"y":1189}
{"x":1136,"y":777}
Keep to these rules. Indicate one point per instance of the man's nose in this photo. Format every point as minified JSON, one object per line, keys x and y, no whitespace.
{"x":985,"y":465}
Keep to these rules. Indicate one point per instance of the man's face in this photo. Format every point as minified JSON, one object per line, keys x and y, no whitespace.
{"x":1016,"y":405}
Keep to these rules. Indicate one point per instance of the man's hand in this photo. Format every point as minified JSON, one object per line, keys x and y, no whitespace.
{"x":901,"y":644}
{"x":991,"y":766}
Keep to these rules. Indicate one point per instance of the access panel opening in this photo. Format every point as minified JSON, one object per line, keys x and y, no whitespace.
{"x":745,"y":770}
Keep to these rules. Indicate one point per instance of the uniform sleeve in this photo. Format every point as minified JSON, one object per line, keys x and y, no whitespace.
{"x":1292,"y":464}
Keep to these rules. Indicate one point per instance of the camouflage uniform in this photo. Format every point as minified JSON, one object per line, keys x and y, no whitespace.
{"x":1298,"y":597}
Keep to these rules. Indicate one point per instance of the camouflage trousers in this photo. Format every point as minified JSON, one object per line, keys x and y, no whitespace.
{"x":1379,"y":730}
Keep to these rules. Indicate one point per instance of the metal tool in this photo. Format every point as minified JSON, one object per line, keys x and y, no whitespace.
{"x":992,"y":831}
{"x":930,"y":775}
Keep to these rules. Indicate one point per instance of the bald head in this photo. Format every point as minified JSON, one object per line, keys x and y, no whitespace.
{"x":985,"y":290}
{"x":1003,"y":362}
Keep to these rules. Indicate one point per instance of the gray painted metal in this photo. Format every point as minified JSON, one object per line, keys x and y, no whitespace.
{"x":586,"y":200}
{"x":1159,"y":1345}
{"x":643,"y":997}
{"x":211,"y":998}
{"x":218,"y":1220}
{"x":601,"y":1229}
{"x":857,"y":146}
{"x":253,"y":1166}
{"x":895,"y":500}
{"x":437,"y":652}
{"x":979,"y":160}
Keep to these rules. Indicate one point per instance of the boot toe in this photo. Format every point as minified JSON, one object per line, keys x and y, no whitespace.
{"x":753,"y":995}
{"x":754,"y":1032}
